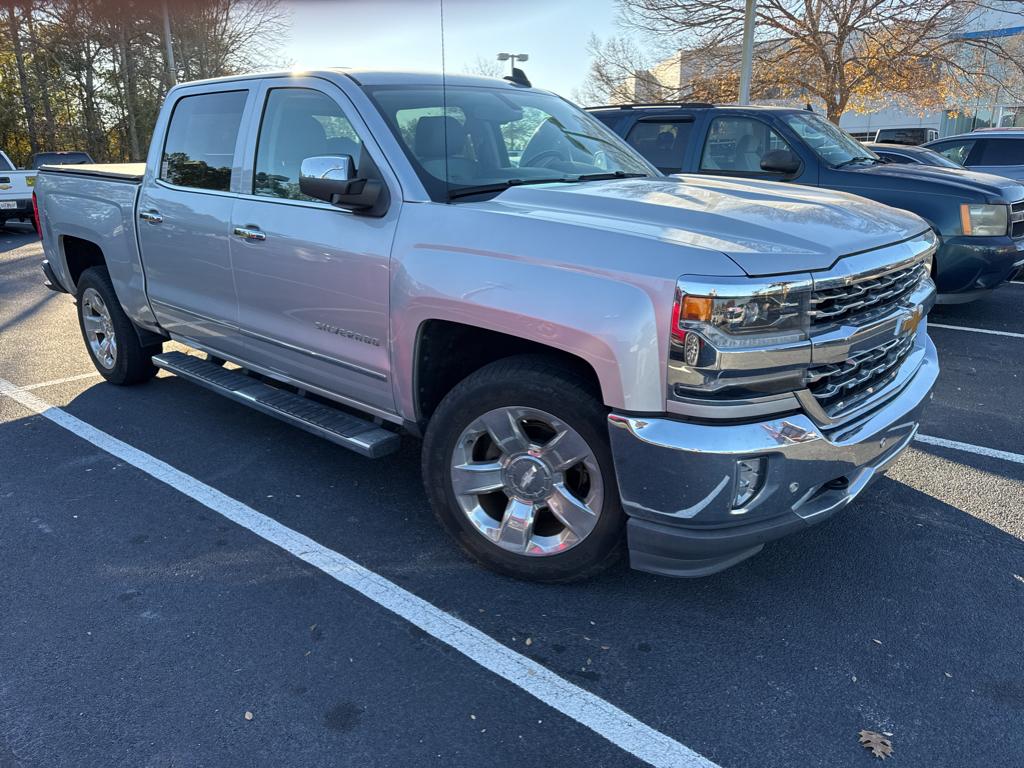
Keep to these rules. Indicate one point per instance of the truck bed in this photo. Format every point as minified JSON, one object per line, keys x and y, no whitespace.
{"x":132,"y":172}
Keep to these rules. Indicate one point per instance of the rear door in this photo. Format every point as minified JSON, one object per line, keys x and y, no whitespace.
{"x":185,"y":210}
{"x":1001,"y":156}
{"x":313,"y":280}
{"x":662,"y":140}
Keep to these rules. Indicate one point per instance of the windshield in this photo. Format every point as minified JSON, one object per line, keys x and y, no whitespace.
{"x":60,"y":158}
{"x":829,"y":142}
{"x":467,"y":137}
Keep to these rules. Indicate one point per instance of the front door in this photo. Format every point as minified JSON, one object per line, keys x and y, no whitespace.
{"x":185,"y":220}
{"x":312,"y":279}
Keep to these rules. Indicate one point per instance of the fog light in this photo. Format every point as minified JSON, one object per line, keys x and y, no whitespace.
{"x":691,"y":349}
{"x":749,"y":479}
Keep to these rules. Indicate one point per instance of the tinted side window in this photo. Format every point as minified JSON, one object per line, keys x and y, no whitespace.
{"x":957,"y":151}
{"x":200,"y":147}
{"x":661,"y":143}
{"x":1001,"y":152}
{"x":299,"y":123}
{"x":738,"y":144}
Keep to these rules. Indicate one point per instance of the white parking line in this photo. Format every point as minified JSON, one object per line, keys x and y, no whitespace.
{"x":600,"y":716}
{"x":980,"y":450}
{"x":977,"y":330}
{"x":54,"y":382}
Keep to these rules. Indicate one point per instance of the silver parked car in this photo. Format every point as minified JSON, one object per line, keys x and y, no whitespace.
{"x":999,"y":151}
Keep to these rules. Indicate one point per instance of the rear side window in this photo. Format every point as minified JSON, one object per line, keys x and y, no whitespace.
{"x":662,"y":143}
{"x":957,"y":151}
{"x":1001,"y":152}
{"x":299,"y":123}
{"x":200,"y":148}
{"x":4,"y":165}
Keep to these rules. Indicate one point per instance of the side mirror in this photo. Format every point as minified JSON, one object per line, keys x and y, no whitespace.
{"x":332,"y":178}
{"x":781,"y":161}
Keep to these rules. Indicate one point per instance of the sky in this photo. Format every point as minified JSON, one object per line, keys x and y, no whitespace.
{"x":406,"y":34}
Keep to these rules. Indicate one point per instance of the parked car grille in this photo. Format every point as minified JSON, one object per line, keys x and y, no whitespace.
{"x":840,"y":386}
{"x":831,"y":304}
{"x":1017,"y":220}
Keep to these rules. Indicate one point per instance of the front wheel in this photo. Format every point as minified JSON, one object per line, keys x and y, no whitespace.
{"x":518,"y":468}
{"x":109,"y":335}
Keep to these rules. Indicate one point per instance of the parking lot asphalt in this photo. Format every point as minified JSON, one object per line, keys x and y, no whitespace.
{"x":138,"y":626}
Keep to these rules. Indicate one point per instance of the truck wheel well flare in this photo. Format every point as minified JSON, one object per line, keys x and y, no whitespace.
{"x":447,"y":352}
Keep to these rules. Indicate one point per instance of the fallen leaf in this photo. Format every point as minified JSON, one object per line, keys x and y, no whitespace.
{"x":876,"y":743}
{"x":248,"y":715}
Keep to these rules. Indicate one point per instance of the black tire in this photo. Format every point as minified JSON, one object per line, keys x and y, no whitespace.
{"x":132,"y":363}
{"x":537,"y":382}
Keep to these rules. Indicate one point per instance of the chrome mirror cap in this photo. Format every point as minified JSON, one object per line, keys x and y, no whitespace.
{"x":328,"y":167}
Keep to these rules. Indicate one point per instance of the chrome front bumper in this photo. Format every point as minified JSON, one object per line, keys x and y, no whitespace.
{"x":678,"y":480}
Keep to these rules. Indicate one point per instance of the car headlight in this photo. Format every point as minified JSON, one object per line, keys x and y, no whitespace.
{"x":742,"y":312}
{"x":983,"y":220}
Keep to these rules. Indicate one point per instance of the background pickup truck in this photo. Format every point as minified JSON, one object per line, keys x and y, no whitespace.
{"x":587,"y":347}
{"x":979,"y":217}
{"x":15,"y":192}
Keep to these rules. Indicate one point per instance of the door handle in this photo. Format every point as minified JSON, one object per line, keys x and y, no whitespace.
{"x":250,"y":233}
{"x":151,"y":216}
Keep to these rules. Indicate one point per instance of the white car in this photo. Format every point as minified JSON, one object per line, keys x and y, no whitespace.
{"x":15,"y":192}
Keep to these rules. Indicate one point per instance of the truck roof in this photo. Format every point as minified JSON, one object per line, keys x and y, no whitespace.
{"x":693,"y":105}
{"x":371,"y":77}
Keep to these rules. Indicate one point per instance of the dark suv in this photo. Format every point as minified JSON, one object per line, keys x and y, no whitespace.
{"x":979,"y":217}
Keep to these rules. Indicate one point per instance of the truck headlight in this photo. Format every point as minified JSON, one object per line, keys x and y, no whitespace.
{"x":983,"y":220}
{"x":742,"y":312}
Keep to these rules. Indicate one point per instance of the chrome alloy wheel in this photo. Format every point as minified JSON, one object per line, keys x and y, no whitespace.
{"x":99,"y":329}
{"x":527,"y":481}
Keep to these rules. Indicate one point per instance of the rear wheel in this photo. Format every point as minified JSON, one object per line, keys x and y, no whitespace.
{"x":518,"y":468}
{"x":109,"y":335}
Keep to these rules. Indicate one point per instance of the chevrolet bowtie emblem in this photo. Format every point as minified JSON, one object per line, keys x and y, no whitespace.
{"x":5,"y":186}
{"x":912,"y":321}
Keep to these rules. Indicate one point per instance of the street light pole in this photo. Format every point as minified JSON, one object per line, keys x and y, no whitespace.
{"x":747,"y":66}
{"x":172,"y":69}
{"x":513,"y":57}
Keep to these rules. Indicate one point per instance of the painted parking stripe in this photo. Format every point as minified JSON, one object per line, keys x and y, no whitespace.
{"x":980,"y":450}
{"x":977,"y":330}
{"x":55,"y":382}
{"x":600,"y":716}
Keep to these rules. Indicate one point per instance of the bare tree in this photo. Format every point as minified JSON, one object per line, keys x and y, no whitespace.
{"x":845,"y":53}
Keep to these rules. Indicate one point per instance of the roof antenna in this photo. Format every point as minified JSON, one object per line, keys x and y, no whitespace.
{"x":518,"y":77}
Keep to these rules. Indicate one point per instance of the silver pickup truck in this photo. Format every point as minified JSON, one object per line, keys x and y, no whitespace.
{"x":594,"y":354}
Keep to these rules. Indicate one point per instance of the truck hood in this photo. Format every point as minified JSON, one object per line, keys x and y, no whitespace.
{"x":766,"y":228}
{"x":968,"y":186}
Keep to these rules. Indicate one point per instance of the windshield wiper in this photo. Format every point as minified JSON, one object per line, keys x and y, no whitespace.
{"x":853,"y":160}
{"x":608,"y":175}
{"x":501,"y":186}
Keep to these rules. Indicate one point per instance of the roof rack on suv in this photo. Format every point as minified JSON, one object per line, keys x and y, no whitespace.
{"x":691,"y":104}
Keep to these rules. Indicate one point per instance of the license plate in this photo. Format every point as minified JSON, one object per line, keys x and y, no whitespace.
{"x":30,"y":180}
{"x":6,"y":204}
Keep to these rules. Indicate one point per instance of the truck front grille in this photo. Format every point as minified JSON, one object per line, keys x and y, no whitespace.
{"x":839,"y":387}
{"x":830,"y":304}
{"x":1017,"y":220}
